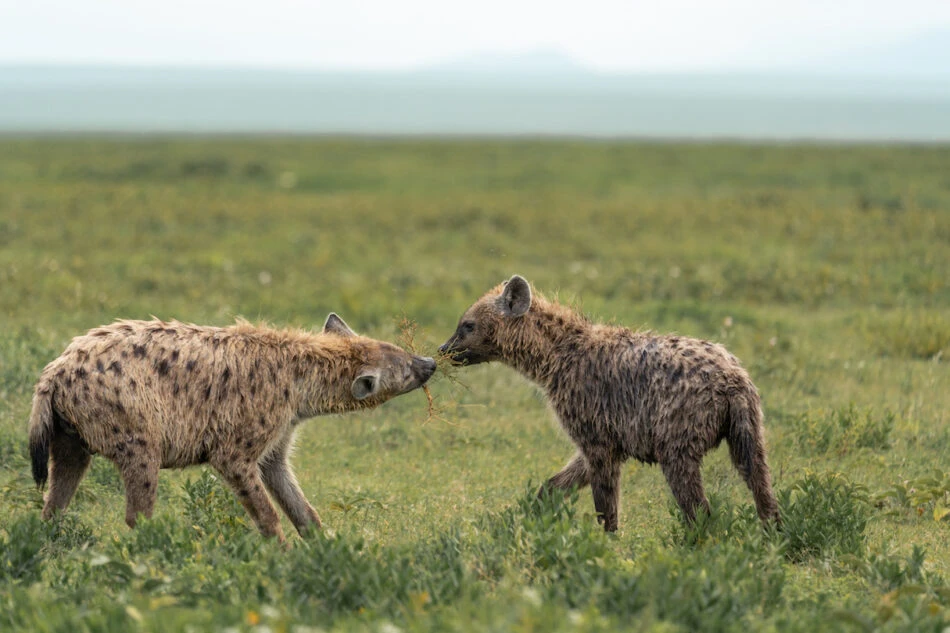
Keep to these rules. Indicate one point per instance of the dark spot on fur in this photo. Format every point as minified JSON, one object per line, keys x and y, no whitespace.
{"x":207,"y":392}
{"x":99,"y":367}
{"x":175,"y":389}
{"x":143,"y":466}
{"x":248,"y":444}
{"x":242,"y":492}
{"x":253,"y":390}
{"x":124,"y":354}
{"x":141,"y":442}
{"x":147,"y":485}
{"x":132,"y":383}
{"x":175,"y":356}
{"x":115,"y":429}
{"x":81,"y":373}
{"x":118,"y":407}
{"x":162,"y":367}
{"x":62,"y":370}
{"x":226,"y":374}
{"x":250,"y":375}
{"x":190,"y":365}
{"x":286,"y":392}
{"x":676,"y":375}
{"x":688,"y":353}
{"x":263,"y":421}
{"x":116,"y":367}
{"x":138,"y":351}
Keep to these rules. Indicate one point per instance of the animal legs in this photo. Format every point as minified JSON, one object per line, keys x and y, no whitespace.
{"x":69,"y":461}
{"x":686,"y":483}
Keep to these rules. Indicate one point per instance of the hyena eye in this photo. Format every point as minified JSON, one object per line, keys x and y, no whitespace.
{"x":467,"y":327}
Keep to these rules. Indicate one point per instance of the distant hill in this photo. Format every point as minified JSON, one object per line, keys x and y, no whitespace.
{"x":532,"y":94}
{"x":547,"y":62}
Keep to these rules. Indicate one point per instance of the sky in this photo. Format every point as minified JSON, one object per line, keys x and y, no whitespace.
{"x":604,"y":35}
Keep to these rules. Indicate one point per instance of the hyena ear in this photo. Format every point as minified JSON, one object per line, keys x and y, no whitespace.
{"x":364,"y":386}
{"x":516,"y":297}
{"x":336,"y":325}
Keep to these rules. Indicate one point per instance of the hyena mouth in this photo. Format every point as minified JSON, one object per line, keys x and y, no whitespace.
{"x":466,"y":357}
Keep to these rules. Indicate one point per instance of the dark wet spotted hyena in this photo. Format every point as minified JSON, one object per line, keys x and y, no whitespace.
{"x":622,"y":394}
{"x":150,"y":395}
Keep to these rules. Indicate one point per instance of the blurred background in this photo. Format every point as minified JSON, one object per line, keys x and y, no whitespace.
{"x":849,"y":70}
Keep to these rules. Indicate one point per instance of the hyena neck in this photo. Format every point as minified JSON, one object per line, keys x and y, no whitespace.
{"x":323,"y":386}
{"x":538,"y":342}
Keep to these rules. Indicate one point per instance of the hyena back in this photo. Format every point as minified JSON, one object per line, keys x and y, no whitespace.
{"x":150,"y":395}
{"x":620,"y":394}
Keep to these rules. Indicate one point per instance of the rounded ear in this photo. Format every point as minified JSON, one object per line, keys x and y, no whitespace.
{"x":365,"y":386}
{"x":335,"y":325}
{"x":516,"y":297}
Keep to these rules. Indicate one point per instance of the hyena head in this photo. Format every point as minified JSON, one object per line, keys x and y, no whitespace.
{"x":379,"y":370}
{"x":487,"y":324}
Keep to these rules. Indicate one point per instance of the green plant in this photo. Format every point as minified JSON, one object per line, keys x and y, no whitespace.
{"x":823,"y":515}
{"x":928,"y":495}
{"x":843,"y":429}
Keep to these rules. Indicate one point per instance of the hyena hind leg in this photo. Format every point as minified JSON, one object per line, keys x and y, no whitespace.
{"x":68,"y":464}
{"x":686,"y":483}
{"x":139,"y":473}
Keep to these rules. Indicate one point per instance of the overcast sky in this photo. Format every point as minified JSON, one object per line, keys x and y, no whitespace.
{"x":611,"y":35}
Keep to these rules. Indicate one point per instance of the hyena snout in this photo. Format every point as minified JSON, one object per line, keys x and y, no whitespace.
{"x":422,"y":369}
{"x":461,"y":354}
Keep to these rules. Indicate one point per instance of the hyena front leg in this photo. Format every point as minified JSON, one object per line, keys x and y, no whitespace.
{"x":245,"y":479}
{"x":280,"y":482}
{"x":605,"y":484}
{"x":576,"y":473}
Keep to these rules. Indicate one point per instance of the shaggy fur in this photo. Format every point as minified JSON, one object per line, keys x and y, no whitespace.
{"x":622,"y":394}
{"x":150,"y":395}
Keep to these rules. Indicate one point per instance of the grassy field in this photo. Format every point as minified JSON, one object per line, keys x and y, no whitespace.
{"x":825,"y":269}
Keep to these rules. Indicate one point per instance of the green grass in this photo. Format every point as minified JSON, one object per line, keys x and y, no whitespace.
{"x":825,"y":269}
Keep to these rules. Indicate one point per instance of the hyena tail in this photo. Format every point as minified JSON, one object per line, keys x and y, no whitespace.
{"x":41,"y":433}
{"x":747,"y":449}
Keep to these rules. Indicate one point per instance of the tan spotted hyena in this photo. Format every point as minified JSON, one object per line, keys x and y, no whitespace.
{"x":150,"y":395}
{"x":622,"y":394}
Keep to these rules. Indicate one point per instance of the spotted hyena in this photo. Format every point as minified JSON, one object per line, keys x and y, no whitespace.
{"x":622,"y":394}
{"x":150,"y":395}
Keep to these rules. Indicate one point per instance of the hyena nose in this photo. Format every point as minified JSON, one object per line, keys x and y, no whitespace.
{"x":423,"y":367}
{"x":446,"y":347}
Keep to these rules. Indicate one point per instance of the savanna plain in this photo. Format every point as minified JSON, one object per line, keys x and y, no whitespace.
{"x":825,"y":269}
